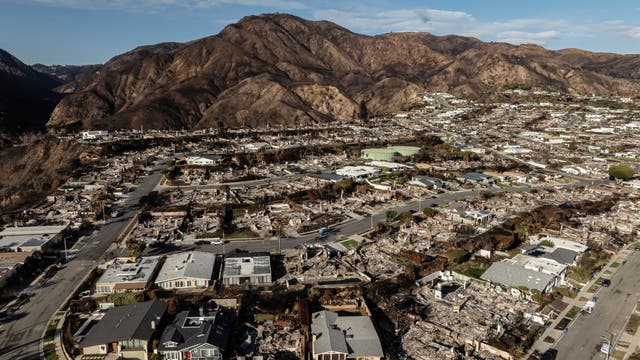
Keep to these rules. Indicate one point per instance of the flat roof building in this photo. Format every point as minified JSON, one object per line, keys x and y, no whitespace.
{"x":242,"y":269}
{"x":516,"y":276}
{"x":357,"y":172}
{"x":127,"y":276}
{"x":30,"y":238}
{"x":389,"y":153}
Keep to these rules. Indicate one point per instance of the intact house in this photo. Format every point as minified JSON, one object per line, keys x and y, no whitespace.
{"x":243,"y":268}
{"x":197,"y":334}
{"x":128,"y":276}
{"x":427,"y":182}
{"x":126,"y":331}
{"x":338,"y":337}
{"x":257,"y":146}
{"x":205,"y":160}
{"x":516,"y":278}
{"x":477,"y":178}
{"x":358,"y":172}
{"x":541,"y":264}
{"x":94,"y":134}
{"x":186,"y":271}
{"x":560,"y":250}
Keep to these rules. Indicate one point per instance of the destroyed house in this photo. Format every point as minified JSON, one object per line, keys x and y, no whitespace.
{"x":197,"y":334}
{"x":126,"y":331}
{"x":338,"y":337}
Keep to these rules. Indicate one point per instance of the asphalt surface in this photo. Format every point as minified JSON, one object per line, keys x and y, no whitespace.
{"x":22,"y":335}
{"x":614,"y":306}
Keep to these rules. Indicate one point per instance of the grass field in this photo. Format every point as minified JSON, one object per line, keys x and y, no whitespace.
{"x":349,"y":243}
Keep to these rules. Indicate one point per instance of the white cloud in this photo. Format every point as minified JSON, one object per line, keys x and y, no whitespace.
{"x":516,"y":31}
{"x":523,"y":37}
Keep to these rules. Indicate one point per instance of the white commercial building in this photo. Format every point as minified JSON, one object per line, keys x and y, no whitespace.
{"x":30,"y":238}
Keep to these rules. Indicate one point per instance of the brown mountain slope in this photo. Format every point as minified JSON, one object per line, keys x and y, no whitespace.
{"x":278,"y":68}
{"x":26,"y":96}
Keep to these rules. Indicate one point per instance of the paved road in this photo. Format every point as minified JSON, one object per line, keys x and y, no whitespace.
{"x":614,"y":306}
{"x":354,"y":227}
{"x":236,"y":185}
{"x":22,"y":336}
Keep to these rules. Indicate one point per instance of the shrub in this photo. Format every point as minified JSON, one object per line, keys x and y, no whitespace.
{"x":623,"y":172}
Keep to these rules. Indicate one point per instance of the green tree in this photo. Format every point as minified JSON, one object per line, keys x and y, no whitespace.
{"x":390,"y":215}
{"x":623,"y":172}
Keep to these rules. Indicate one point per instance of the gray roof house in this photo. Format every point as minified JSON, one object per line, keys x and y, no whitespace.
{"x":197,"y":334}
{"x":190,"y":270}
{"x":516,"y":276}
{"x":344,"y":337}
{"x":126,"y":331}
{"x":428,"y":182}
{"x":477,"y":178}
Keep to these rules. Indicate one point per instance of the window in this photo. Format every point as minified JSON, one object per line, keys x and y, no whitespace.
{"x":171,"y":355}
{"x":132,"y":344}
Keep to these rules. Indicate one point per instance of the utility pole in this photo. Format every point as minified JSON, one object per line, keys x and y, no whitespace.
{"x":66,"y":253}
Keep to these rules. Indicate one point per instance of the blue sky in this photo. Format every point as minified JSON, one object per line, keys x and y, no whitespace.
{"x":93,"y":31}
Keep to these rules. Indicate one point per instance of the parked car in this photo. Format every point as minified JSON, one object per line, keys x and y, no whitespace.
{"x":203,"y":242}
{"x":606,"y":282}
{"x":606,"y":347}
{"x":550,"y":354}
{"x":217,"y":242}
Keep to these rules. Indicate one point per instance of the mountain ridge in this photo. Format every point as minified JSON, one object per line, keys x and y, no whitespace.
{"x":279,"y":68}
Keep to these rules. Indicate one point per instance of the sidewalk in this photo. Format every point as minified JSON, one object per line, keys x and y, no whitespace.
{"x":579,"y":301}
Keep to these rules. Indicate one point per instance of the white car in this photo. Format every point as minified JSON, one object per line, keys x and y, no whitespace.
{"x":217,"y":242}
{"x":606,"y":347}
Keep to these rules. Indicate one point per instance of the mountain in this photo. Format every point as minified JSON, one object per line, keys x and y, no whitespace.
{"x":26,"y":96}
{"x":278,"y":68}
{"x":79,"y":75}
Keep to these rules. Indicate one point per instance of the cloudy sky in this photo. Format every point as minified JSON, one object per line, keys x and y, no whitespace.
{"x":92,"y":31}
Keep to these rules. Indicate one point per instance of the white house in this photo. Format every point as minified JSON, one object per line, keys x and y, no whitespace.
{"x":205,"y":160}
{"x":190,"y":270}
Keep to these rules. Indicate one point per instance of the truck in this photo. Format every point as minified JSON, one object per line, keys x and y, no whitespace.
{"x":589,"y":305}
